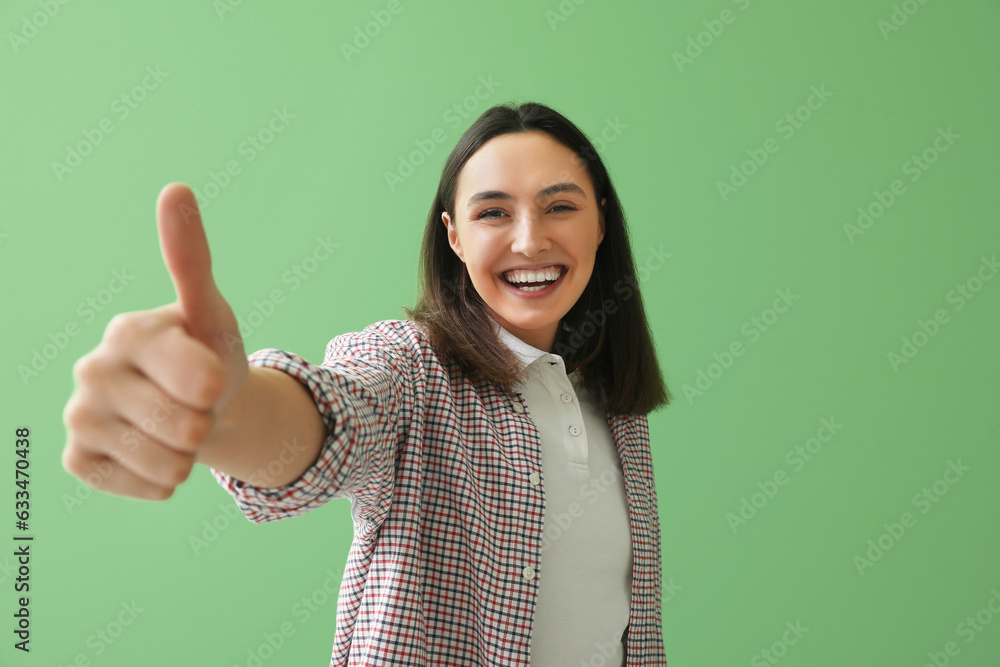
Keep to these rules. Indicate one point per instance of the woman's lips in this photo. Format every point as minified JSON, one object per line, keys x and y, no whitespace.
{"x":536,"y":294}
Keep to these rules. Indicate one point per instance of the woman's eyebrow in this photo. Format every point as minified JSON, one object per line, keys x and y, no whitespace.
{"x":551,"y":190}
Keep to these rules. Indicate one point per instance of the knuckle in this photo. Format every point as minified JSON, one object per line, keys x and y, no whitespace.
{"x":135,"y":439}
{"x":71,"y":459}
{"x":96,"y":473}
{"x":158,"y":493}
{"x":85,"y":369}
{"x":116,"y":457}
{"x":130,"y":440}
{"x":75,"y":413}
{"x":68,"y":412}
{"x":182,"y":471}
{"x":124,"y":328}
{"x":211,"y":384}
{"x":195,"y":428}
{"x":120,"y":328}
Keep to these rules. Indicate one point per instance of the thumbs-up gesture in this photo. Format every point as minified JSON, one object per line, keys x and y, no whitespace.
{"x":151,"y":393}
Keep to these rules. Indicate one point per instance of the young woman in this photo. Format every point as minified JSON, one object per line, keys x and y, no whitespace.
{"x":494,"y":445}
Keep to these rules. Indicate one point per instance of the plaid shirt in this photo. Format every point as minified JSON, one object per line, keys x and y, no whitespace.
{"x":445,"y":519}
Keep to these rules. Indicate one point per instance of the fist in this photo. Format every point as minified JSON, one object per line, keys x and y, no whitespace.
{"x":152,"y":392}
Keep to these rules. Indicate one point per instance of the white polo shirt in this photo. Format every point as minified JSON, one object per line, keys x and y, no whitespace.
{"x":585,"y":574}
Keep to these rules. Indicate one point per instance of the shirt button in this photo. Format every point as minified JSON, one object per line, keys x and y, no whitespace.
{"x":566,"y":398}
{"x":575,"y":430}
{"x":528,"y":572}
{"x":517,"y":407}
{"x":534,"y":478}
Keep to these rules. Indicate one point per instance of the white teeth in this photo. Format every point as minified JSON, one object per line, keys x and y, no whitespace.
{"x":523,"y":276}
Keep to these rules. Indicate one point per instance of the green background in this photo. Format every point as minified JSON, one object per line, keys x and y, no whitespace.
{"x":683,"y":126}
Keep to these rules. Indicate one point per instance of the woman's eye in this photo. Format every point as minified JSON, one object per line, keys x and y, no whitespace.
{"x":554,"y":209}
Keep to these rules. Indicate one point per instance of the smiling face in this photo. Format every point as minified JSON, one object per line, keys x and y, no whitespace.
{"x":525,"y":201}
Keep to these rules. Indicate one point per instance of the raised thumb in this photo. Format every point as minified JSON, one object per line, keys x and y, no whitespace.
{"x":185,"y":251}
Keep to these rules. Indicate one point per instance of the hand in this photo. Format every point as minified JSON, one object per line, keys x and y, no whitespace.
{"x":150,"y":394}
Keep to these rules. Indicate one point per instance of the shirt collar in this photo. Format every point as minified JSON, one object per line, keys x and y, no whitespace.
{"x":526,"y":353}
{"x":532,"y":357}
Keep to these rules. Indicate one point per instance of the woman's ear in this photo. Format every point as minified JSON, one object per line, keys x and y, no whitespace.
{"x":452,"y":235}
{"x":600,"y":221}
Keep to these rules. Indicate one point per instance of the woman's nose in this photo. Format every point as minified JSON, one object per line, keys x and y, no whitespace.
{"x":530,"y":237}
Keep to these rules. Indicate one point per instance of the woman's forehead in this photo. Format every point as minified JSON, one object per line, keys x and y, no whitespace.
{"x":522,"y":165}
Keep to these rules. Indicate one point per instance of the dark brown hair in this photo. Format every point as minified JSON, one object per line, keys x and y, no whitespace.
{"x":605,"y":334}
